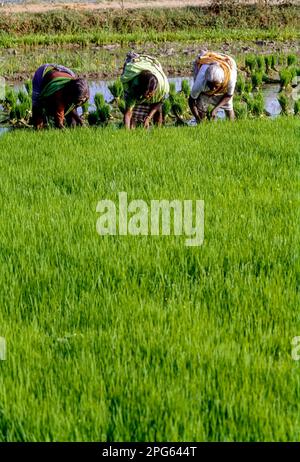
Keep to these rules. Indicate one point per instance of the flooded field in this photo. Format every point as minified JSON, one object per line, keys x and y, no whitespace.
{"x":270,"y":92}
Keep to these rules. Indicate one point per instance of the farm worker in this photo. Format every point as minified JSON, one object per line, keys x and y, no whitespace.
{"x":57,"y":92}
{"x":215,"y":76}
{"x":145,"y":86}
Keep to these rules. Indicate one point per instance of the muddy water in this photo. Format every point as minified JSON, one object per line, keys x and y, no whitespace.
{"x":4,"y":130}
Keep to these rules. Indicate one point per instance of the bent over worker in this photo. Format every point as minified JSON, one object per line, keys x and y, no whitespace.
{"x":57,"y":92}
{"x":145,"y":85}
{"x":215,"y":76}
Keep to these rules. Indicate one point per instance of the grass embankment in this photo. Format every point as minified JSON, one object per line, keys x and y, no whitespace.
{"x":142,"y":338}
{"x":228,"y":22}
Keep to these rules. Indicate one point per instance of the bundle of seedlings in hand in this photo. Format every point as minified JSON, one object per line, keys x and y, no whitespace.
{"x":102,"y":114}
{"x":117,"y":90}
{"x":179,"y":105}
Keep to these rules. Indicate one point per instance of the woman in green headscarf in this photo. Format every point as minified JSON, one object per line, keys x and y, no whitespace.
{"x":145,"y":85}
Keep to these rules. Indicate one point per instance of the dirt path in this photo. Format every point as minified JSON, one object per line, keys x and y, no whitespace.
{"x":105,"y":4}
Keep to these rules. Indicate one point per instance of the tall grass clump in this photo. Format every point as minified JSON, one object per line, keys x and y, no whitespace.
{"x":260,"y":61}
{"x":291,"y":59}
{"x":241,"y":83}
{"x":17,"y":105}
{"x":257,"y":79}
{"x":284,"y":103}
{"x":250,"y":62}
{"x":286,"y":76}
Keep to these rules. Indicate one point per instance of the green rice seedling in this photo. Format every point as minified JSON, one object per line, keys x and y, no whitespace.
{"x":241,"y":110}
{"x":10,"y":97}
{"x":179,"y":104}
{"x":274,"y":60}
{"x":282,"y":59}
{"x":286,"y":77}
{"x":104,"y":114}
{"x":99,"y":100}
{"x":116,"y":89}
{"x":103,"y":109}
{"x":258,"y":105}
{"x":28,"y":87}
{"x":185,"y":88}
{"x":23,"y":97}
{"x":260,"y":61}
{"x":297,"y":107}
{"x":166,"y":107}
{"x":257,"y":79}
{"x":293,"y":72}
{"x":248,"y":86}
{"x":21,"y":111}
{"x":17,"y":106}
{"x":172,"y":90}
{"x":122,"y":106}
{"x":250,"y":62}
{"x":297,"y":71}
{"x":240,"y":107}
{"x":85,"y":108}
{"x":268,"y":63}
{"x":284,"y":103}
{"x":240,"y":84}
{"x":291,"y":59}
{"x":92,"y":118}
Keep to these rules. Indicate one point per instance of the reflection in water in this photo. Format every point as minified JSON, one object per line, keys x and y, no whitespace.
{"x":4,"y":130}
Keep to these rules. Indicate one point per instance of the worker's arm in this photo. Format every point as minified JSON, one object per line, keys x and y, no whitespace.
{"x":128,"y":117}
{"x":154,"y":108}
{"x":199,"y":115}
{"x":59,"y":116}
{"x":74,"y":119}
{"x":37,"y":117}
{"x":226,"y":98}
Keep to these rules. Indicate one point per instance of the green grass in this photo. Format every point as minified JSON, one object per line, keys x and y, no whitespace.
{"x":217,"y":35}
{"x":228,"y":15}
{"x":142,"y":338}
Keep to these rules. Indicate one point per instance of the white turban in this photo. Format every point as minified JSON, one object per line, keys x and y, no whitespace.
{"x":214,"y":73}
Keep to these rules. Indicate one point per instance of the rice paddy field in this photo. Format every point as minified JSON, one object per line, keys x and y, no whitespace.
{"x":141,"y":338}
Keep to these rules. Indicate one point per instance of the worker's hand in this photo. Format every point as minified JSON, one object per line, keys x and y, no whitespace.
{"x":214,"y":113}
{"x":146,"y":122}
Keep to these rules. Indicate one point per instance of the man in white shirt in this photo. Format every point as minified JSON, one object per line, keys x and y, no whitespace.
{"x":215,"y":78}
